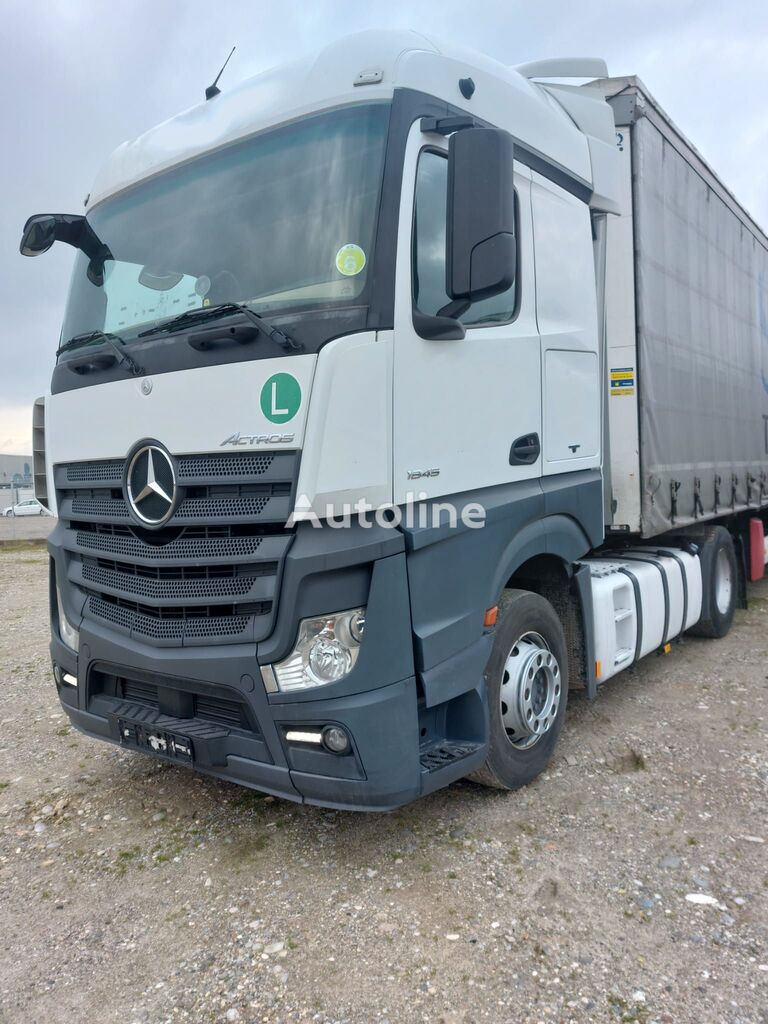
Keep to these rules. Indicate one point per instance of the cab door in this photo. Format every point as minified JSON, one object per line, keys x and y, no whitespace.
{"x":466,"y":413}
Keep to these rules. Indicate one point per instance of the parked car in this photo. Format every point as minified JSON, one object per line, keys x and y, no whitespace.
{"x":27,"y":508}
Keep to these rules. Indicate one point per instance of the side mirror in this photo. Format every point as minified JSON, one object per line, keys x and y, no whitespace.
{"x":42,"y":230}
{"x":39,"y":235}
{"x":481,"y":250}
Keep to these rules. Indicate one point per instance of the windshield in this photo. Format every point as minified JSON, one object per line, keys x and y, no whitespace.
{"x":285,"y":219}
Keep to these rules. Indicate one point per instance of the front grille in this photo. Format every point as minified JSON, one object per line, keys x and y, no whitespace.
{"x":140,"y":693}
{"x":209,"y":708}
{"x":176,"y":582}
{"x":224,"y":466}
{"x":185,"y":701}
{"x":188,"y":624}
{"x":221,"y":466}
{"x":210,"y":575}
{"x":232,"y":503}
{"x":95,"y":472}
{"x":200,"y":544}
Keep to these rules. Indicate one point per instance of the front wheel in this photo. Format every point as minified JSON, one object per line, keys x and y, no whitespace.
{"x":527,"y":685}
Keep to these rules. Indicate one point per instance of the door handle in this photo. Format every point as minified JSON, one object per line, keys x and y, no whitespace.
{"x":525,"y":450}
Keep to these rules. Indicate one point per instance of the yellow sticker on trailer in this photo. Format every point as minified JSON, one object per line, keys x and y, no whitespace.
{"x":623,"y":380}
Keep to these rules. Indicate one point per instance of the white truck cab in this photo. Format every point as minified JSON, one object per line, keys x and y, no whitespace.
{"x":373,"y":281}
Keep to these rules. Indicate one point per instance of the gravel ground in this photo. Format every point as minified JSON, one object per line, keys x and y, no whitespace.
{"x":630,"y":883}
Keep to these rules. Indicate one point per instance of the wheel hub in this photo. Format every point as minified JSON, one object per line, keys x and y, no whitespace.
{"x":723,"y":582}
{"x":530,"y":691}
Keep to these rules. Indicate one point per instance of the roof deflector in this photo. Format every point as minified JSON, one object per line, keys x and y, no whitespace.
{"x":564,"y":67}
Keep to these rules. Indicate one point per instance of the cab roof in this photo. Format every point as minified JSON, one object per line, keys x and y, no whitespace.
{"x":399,"y":59}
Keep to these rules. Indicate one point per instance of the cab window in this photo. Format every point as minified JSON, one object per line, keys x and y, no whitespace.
{"x":429,"y":232}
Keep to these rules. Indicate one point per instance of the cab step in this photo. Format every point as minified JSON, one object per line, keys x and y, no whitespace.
{"x":443,"y":754}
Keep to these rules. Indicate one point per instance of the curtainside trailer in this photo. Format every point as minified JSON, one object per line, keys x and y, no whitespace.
{"x":687,"y":326}
{"x":398,"y":392}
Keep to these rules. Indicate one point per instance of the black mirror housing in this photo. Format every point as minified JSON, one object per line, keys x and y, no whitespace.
{"x":481,"y":256}
{"x":38,"y":235}
{"x":42,"y":230}
{"x":438,"y":328}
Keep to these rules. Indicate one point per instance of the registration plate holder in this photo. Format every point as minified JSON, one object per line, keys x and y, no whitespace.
{"x":154,"y":740}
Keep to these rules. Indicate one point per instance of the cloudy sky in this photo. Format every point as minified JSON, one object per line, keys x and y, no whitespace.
{"x":77,"y":77}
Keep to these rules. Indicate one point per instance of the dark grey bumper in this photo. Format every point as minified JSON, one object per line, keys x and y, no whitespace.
{"x":394,"y":732}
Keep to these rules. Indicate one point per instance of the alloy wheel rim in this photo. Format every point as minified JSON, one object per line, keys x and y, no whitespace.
{"x":530,"y":692}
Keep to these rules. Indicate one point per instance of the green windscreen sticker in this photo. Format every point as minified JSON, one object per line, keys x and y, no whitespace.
{"x":350,"y":260}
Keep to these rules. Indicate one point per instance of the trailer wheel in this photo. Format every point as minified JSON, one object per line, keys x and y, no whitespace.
{"x":527,"y":681}
{"x":719,"y":583}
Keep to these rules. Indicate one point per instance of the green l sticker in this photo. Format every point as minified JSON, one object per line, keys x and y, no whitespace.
{"x":280,"y":398}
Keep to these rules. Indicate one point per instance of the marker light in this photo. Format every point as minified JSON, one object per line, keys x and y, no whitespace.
{"x":326,"y":650}
{"x":304,"y":736}
{"x":332,"y":737}
{"x":491,"y":616}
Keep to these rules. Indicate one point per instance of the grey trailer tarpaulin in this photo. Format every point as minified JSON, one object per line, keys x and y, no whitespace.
{"x":701,"y":315}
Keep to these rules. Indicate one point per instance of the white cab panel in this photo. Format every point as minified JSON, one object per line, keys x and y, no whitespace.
{"x":187,"y":411}
{"x":566,"y":307}
{"x":348,"y":451}
{"x":568,"y":432}
{"x":459,"y":405}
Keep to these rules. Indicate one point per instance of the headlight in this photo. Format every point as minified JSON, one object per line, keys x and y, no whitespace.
{"x":326,"y":650}
{"x":69,"y":635}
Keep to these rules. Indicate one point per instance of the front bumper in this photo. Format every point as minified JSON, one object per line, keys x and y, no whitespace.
{"x":213,"y":699}
{"x":389,"y":773}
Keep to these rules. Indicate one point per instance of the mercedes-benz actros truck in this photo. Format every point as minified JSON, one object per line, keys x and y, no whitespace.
{"x":398,"y":392}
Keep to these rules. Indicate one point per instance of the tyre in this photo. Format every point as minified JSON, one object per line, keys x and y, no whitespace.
{"x":527,"y":686}
{"x":719,"y":583}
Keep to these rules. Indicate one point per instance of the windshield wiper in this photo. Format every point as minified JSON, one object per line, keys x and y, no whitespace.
{"x":113,"y":341}
{"x":221,"y":310}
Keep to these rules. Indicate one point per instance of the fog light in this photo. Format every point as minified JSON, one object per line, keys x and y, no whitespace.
{"x":335,"y":739}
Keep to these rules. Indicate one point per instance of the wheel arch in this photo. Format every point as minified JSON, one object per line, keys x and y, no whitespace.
{"x":551,"y":569}
{"x":552,"y":540}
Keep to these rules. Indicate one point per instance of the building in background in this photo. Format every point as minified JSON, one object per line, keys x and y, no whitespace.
{"x":15,"y":470}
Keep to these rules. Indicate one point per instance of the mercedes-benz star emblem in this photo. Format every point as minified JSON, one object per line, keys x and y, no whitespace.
{"x":151,"y":485}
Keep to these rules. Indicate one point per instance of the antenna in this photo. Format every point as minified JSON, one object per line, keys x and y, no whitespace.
{"x":213,"y":89}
